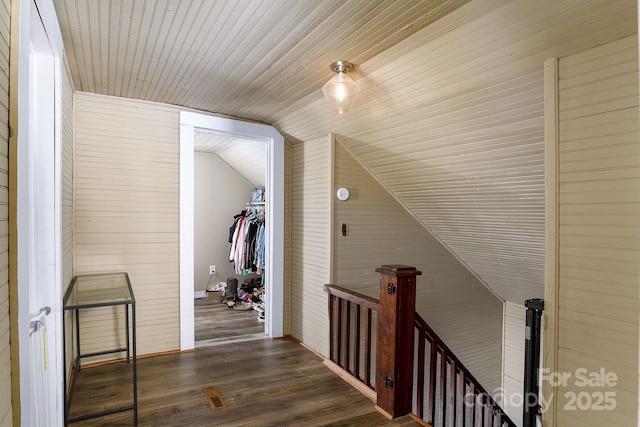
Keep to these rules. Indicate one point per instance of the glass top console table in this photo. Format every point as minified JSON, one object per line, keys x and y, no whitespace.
{"x":92,"y":291}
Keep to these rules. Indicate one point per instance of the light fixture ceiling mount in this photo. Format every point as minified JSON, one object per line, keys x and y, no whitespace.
{"x":341,"y":66}
{"x":340,"y":91}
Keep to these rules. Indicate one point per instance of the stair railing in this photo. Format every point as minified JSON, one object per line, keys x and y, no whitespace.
{"x":352,"y":319}
{"x":448,"y":391}
{"x":445,"y":393}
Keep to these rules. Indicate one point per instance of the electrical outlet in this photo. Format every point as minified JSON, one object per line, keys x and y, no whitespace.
{"x":212,"y":269}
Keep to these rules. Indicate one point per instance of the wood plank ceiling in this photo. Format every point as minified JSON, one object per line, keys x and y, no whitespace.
{"x":244,"y":58}
{"x":451,"y":122}
{"x":450,"y":113}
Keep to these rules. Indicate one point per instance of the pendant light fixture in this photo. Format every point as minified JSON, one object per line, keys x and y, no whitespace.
{"x":340,"y":91}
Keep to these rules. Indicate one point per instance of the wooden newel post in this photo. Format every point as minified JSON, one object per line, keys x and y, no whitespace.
{"x":394,"y":348}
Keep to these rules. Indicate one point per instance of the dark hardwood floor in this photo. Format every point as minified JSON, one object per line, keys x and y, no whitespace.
{"x":214,"y":320}
{"x":264,"y":383}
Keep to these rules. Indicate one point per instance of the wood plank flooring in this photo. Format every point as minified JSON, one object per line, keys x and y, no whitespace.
{"x":265,"y":383}
{"x":214,"y":320}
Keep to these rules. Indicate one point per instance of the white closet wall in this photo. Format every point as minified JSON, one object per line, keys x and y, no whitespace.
{"x":220,"y":193}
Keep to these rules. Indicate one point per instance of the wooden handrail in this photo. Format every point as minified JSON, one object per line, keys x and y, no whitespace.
{"x":421,"y":323}
{"x":341,"y":340}
{"x":353,"y":296}
{"x":437,"y":343}
{"x":346,"y":336}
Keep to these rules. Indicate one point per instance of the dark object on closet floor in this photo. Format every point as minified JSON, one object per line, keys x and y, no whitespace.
{"x":232,"y":288}
{"x":250,"y":285}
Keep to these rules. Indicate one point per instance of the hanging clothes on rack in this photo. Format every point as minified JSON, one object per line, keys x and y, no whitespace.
{"x":260,"y":252}
{"x":247,"y":252}
{"x":247,"y":242}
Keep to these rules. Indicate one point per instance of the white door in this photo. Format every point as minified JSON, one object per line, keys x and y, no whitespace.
{"x":39,"y":290}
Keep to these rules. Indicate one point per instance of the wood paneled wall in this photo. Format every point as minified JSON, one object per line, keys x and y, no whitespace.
{"x":67,"y":198}
{"x":380,"y":231}
{"x":127,"y":212}
{"x":310,"y":242}
{"x":451,"y":121}
{"x":513,"y":359}
{"x":67,"y":177}
{"x":126,"y":209}
{"x":598,"y":282}
{"x":288,"y":152}
{"x":6,"y":417}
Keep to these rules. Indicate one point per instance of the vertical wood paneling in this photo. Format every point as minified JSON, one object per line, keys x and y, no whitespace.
{"x":380,"y":231}
{"x":6,"y":415}
{"x":513,"y":359}
{"x":127,"y":212}
{"x":310,"y":241}
{"x":599,"y":232}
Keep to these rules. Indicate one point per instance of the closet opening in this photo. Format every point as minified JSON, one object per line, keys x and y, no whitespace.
{"x":235,"y":157}
{"x":229,"y":243}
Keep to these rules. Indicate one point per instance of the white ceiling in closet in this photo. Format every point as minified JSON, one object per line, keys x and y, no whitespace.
{"x":245,"y":156}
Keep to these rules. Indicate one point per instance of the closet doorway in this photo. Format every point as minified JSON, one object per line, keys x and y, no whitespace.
{"x":191,"y":125}
{"x":229,"y":183}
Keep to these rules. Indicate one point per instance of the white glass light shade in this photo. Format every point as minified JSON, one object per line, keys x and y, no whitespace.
{"x":341,"y":93}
